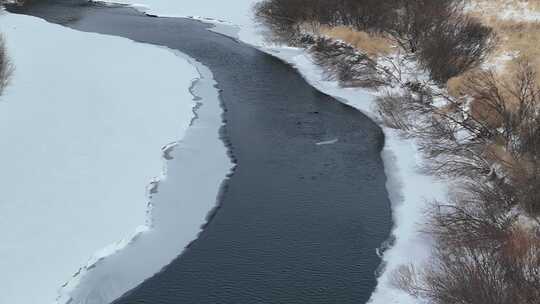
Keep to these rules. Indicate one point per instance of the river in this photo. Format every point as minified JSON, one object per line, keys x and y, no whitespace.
{"x":306,"y":207}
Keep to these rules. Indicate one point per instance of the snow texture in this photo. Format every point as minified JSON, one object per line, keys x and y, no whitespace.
{"x":198,"y":167}
{"x":81,"y":129}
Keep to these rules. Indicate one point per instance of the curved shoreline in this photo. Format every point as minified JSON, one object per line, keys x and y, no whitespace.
{"x":82,"y":285}
{"x":65,"y":145}
{"x":315,"y":138}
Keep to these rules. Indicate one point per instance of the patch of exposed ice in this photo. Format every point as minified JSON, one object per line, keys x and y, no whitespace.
{"x":327,"y":142}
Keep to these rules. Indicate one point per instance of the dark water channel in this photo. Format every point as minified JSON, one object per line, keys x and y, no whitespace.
{"x":299,"y":222}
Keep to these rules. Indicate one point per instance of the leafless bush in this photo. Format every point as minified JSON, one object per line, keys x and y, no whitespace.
{"x":283,"y":17}
{"x":516,"y":106}
{"x":413,"y":21}
{"x":476,"y":274}
{"x":6,"y":68}
{"x":500,"y":139}
{"x":444,"y":40}
{"x":477,"y":216}
{"x":403,"y":111}
{"x":454,"y":143}
{"x":456,"y":45}
{"x":346,"y":64}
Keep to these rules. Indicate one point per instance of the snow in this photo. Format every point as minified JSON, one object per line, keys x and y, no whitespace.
{"x":506,"y":10}
{"x":81,"y":130}
{"x":199,"y":165}
{"x":237,"y":13}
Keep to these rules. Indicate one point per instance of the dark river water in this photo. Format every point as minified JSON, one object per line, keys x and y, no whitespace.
{"x":299,"y":222}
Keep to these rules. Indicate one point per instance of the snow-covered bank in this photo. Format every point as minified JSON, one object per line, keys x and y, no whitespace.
{"x":81,"y":131}
{"x":237,"y":14}
{"x":198,"y":167}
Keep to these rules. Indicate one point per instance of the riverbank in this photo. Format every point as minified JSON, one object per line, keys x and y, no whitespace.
{"x":67,"y":123}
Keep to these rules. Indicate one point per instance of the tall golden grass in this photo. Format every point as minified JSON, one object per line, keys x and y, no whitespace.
{"x":372,"y":45}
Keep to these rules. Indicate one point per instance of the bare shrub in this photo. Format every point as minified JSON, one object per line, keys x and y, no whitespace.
{"x":456,"y":45}
{"x":407,"y":278}
{"x":283,"y":17}
{"x":454,"y":142}
{"x":404,"y":111}
{"x":374,"y":45}
{"x":478,"y":215}
{"x":497,"y":134}
{"x":346,"y":64}
{"x":445,"y":41}
{"x":415,"y":20}
{"x":6,"y":68}
{"x":470,"y":266}
{"x":515,"y":105}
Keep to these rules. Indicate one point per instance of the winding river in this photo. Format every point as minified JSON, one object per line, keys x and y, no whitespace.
{"x":302,"y":215}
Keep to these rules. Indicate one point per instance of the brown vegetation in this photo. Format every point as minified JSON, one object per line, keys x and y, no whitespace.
{"x":518,"y":37}
{"x":484,"y":254}
{"x":374,"y":45}
{"x":444,"y":41}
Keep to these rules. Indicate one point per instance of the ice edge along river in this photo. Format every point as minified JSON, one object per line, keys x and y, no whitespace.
{"x":200,"y":165}
{"x":67,"y":121}
{"x":410,"y":191}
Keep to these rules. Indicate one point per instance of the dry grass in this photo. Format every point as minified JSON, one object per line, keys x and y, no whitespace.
{"x":520,"y":38}
{"x":371,"y":44}
{"x":484,"y":112}
{"x":521,"y":243}
{"x":456,"y":85}
{"x":517,"y":40}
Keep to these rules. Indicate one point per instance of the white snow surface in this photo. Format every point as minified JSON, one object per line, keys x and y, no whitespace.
{"x":183,"y":200}
{"x":505,"y":10}
{"x":81,"y":130}
{"x":235,"y":13}
{"x":410,"y":191}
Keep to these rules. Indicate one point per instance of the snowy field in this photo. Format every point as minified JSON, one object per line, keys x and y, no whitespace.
{"x":81,"y":129}
{"x":410,"y":191}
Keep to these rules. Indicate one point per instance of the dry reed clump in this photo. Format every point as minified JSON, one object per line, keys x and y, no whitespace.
{"x":455,"y":85}
{"x":482,"y":111}
{"x":371,"y":44}
{"x":517,"y":37}
{"x":6,"y":67}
